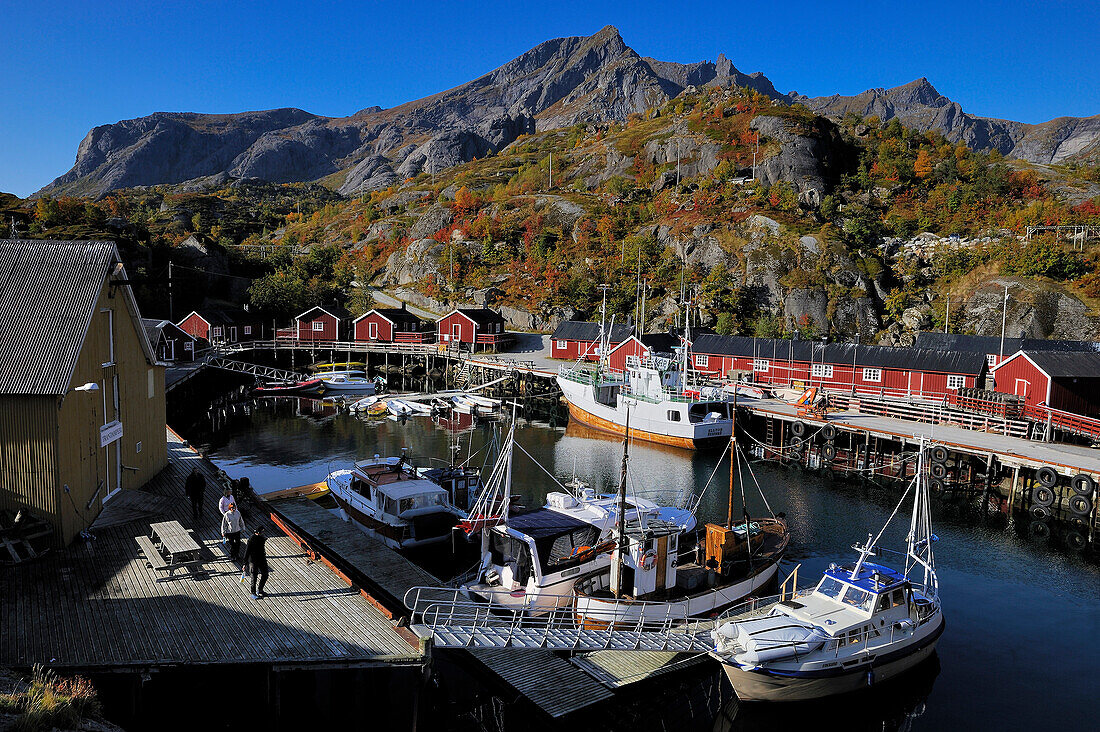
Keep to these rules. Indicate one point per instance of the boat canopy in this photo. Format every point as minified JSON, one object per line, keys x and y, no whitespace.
{"x":544,"y":523}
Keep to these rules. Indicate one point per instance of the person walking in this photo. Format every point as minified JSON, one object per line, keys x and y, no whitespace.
{"x":227,"y":500}
{"x":194,"y":488}
{"x":255,"y":561}
{"x":232,"y":526}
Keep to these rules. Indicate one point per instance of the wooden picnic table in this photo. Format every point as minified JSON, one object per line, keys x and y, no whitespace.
{"x":169,"y":547}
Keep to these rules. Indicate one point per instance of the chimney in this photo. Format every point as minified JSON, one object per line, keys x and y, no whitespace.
{"x":403,"y":303}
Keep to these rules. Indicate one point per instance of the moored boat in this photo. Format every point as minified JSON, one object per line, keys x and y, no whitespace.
{"x":343,"y":382}
{"x":306,"y":386}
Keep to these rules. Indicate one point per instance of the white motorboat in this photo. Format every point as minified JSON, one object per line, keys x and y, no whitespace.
{"x":363,"y":404}
{"x":343,"y":382}
{"x":463,"y":405}
{"x":398,"y":408}
{"x":482,"y":401}
{"x":417,"y":407}
{"x":862,"y":623}
{"x":388,"y":499}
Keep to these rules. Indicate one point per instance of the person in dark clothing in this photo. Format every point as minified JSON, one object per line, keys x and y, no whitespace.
{"x":194,"y":487}
{"x":255,"y":561}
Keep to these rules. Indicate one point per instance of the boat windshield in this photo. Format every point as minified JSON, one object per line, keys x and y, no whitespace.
{"x":830,"y":587}
{"x":862,"y":599}
{"x":421,"y":500}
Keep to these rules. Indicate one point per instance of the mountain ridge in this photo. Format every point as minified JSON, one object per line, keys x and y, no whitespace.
{"x":559,"y":82}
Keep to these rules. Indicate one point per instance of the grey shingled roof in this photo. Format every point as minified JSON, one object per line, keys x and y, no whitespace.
{"x":1065,"y":365}
{"x":992,"y":344}
{"x":48,"y":292}
{"x":580,"y":330}
{"x":482,"y":316}
{"x":397,"y":315}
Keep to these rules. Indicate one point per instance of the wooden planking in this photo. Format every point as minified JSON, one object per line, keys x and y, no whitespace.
{"x":550,"y":682}
{"x":96,"y":605}
{"x":616,"y":669}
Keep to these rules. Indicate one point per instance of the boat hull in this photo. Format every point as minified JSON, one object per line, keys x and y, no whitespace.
{"x":606,"y":425}
{"x":762,"y":685}
{"x":392,"y":536}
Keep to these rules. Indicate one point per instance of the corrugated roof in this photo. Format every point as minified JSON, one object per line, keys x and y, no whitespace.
{"x":992,"y":344}
{"x":580,"y":330}
{"x":916,"y":359}
{"x":48,"y":292}
{"x":397,"y":315}
{"x":660,"y":342}
{"x":336,"y":311}
{"x":1065,"y":365}
{"x":481,"y":316}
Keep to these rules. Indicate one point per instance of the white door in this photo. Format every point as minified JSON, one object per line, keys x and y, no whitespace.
{"x":456,"y":332}
{"x":1022,"y":387}
{"x":372,"y":331}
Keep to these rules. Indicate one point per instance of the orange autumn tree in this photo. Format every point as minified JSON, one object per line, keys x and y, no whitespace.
{"x":922,"y":166}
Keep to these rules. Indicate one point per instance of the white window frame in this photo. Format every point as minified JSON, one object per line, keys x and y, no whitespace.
{"x":761,"y":365}
{"x":318,"y":326}
{"x":372,"y":330}
{"x":674,"y":415}
{"x":874,"y":375}
{"x":456,"y":331}
{"x":822,"y":371}
{"x":702,"y":360}
{"x":216,"y":331}
{"x":991,"y":359}
{"x":956,"y":381}
{"x":248,"y":330}
{"x":563,"y":344}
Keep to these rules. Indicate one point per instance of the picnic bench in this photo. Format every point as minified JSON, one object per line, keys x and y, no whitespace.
{"x":169,"y":547}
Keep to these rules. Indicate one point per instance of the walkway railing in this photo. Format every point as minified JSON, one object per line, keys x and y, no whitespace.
{"x":419,"y":349}
{"x":1065,"y":421}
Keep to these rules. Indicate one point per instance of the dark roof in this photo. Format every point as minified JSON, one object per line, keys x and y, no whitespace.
{"x":992,"y":344}
{"x":580,"y":330}
{"x":396,"y":315}
{"x":660,"y":342}
{"x":916,"y":359}
{"x":543,"y":522}
{"x":481,"y":316}
{"x":225,"y":315}
{"x":48,"y":292}
{"x":335,"y":310}
{"x":1062,"y":364}
{"x":154,"y":328}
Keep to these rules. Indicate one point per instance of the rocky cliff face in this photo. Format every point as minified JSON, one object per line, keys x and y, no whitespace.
{"x":560,"y":82}
{"x":918,"y":105}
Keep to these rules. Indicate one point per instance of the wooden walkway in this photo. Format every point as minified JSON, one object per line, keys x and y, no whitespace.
{"x":96,"y":606}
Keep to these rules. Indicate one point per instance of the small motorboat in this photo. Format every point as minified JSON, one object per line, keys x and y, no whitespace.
{"x":331,"y":368}
{"x":464,"y":405}
{"x":307,"y":386}
{"x":342,"y":382}
{"x":483,"y":401}
{"x":398,"y":408}
{"x":362,"y":404}
{"x":417,"y":407}
{"x":313,"y":491}
{"x":377,"y":409}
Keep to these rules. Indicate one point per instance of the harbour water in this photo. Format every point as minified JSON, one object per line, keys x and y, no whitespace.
{"x":1023,"y":617}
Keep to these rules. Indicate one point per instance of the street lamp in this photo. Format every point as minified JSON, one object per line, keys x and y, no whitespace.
{"x":90,"y":386}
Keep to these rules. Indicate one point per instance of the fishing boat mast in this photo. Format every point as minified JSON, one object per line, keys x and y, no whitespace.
{"x":617,"y":579}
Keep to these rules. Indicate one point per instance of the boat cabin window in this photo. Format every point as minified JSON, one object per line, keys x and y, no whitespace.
{"x":673,"y":415}
{"x":899,"y":598}
{"x":565,"y":551}
{"x":361,"y":487}
{"x":505,"y":550}
{"x":421,"y":500}
{"x":830,"y":587}
{"x":390,"y":506}
{"x":888,"y":600}
{"x":861,"y":599}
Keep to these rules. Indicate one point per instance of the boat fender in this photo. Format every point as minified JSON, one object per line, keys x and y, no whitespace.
{"x":1075,"y":541}
{"x":870,"y":677}
{"x":1040,"y":513}
{"x":829,"y":452}
{"x":798,"y":428}
{"x":649,"y":560}
{"x":1042,"y":495}
{"x":935,"y":487}
{"x":829,"y":432}
{"x":1084,"y":484}
{"x":938,"y":470}
{"x":1080,"y":505}
{"x":939,"y":454}
{"x":1039,"y":530}
{"x":1048,"y":476}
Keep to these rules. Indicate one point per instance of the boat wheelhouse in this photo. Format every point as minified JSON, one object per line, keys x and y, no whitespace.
{"x":388,"y":499}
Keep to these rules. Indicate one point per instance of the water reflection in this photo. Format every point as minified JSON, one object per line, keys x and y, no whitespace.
{"x":1023,"y":617}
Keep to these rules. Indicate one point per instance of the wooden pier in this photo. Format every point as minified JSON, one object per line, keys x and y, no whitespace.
{"x":96,"y":607}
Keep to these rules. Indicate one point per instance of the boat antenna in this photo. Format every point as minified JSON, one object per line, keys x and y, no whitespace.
{"x":622,"y":545}
{"x":733,"y":449}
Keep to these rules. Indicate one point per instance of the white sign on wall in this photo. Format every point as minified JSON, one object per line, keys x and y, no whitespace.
{"x":110,"y":432}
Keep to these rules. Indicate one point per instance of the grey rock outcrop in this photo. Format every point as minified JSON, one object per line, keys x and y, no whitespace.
{"x":808,"y":161}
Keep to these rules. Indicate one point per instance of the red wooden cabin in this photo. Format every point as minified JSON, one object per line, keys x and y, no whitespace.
{"x":474,"y":328}
{"x":1066,"y":381}
{"x":574,"y":339}
{"x":322,"y":324}
{"x":222,"y":325}
{"x":392,"y":325}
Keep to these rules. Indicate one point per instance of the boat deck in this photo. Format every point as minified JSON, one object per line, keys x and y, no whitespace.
{"x":97,"y":606}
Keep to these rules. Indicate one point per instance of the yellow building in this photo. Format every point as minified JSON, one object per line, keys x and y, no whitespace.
{"x":82,"y":413}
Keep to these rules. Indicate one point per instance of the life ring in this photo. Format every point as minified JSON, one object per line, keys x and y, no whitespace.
{"x":938,"y":470}
{"x":1042,"y":495}
{"x":1083,"y":484}
{"x":939,"y":454}
{"x":829,"y":432}
{"x":1075,"y":541}
{"x":798,"y":428}
{"x":1080,"y":505}
{"x":649,"y":560}
{"x":1040,"y":513}
{"x":829,"y":452}
{"x":1048,"y":476}
{"x":1038,"y":530}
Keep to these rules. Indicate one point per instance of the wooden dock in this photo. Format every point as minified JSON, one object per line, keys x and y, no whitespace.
{"x":97,"y":607}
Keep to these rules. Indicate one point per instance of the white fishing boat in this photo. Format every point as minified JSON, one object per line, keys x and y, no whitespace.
{"x":863,"y":623}
{"x":417,"y":407}
{"x":343,"y":382}
{"x":483,"y":401}
{"x":388,"y":499}
{"x":463,"y":405}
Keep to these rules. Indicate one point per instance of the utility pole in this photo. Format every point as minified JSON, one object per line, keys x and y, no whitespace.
{"x":677,"y":163}
{"x":755,"y":150}
{"x":171,"y":304}
{"x":947,"y":318}
{"x":551,"y":171}
{"x":603,"y":322}
{"x":1004,"y":318}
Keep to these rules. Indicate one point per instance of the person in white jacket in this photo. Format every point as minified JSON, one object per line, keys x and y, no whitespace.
{"x":226,"y":500}
{"x":232,"y":526}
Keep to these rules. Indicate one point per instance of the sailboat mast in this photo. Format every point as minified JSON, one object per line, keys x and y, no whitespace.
{"x":622,"y":545}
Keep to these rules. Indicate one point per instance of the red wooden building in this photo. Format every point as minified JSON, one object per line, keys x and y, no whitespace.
{"x":392,"y":325}
{"x":473,"y":328}
{"x":877,"y":370}
{"x":222,"y":325}
{"x":322,"y":324}
{"x":575,"y":338}
{"x":1069,"y":381}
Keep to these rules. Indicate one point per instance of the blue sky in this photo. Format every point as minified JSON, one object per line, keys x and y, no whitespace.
{"x":68,"y":66}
